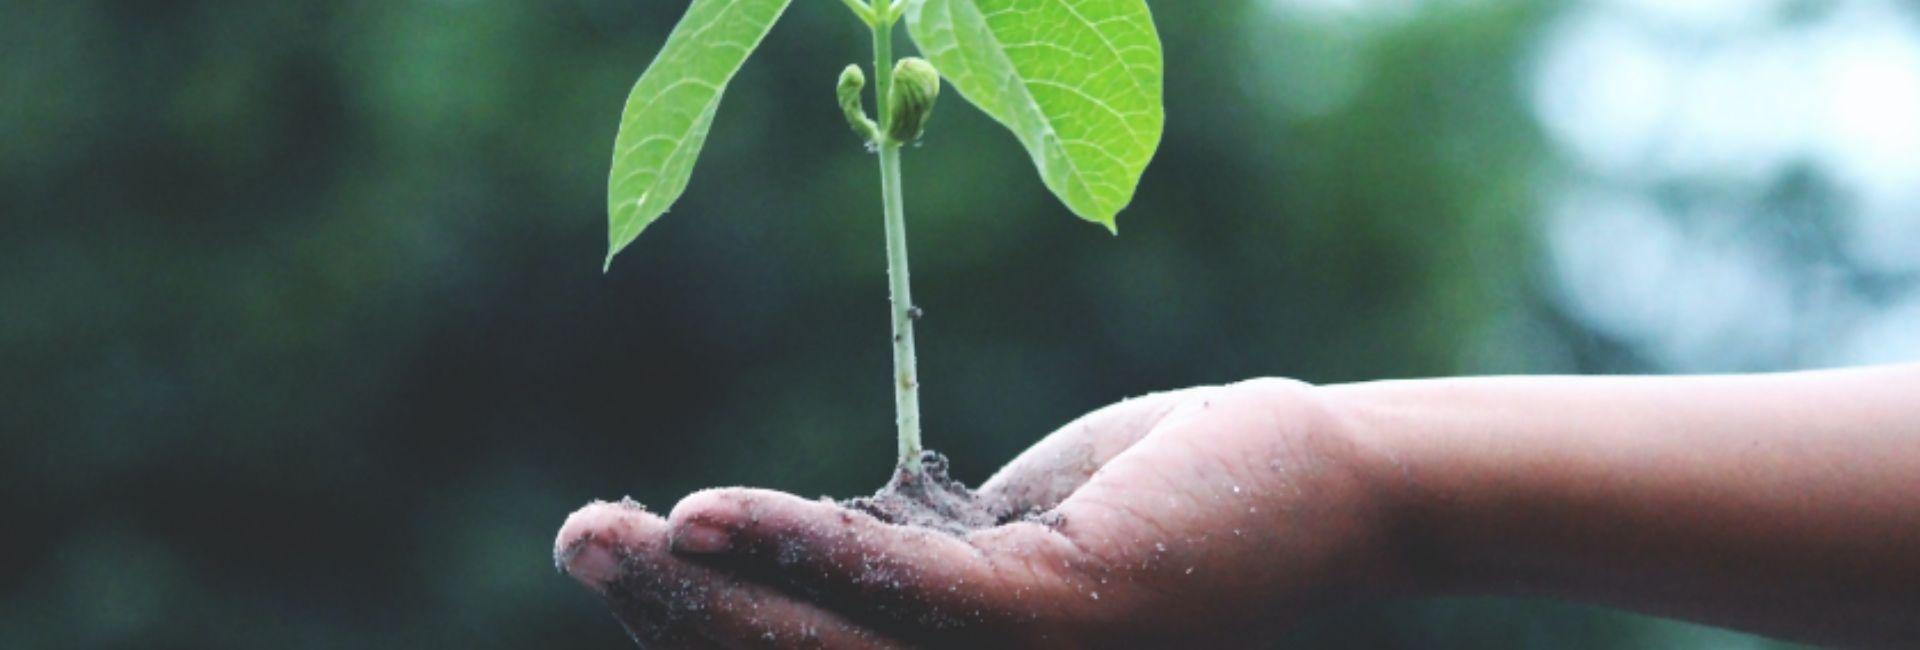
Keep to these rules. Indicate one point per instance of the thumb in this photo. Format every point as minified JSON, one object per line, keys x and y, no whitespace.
{"x":1051,"y":470}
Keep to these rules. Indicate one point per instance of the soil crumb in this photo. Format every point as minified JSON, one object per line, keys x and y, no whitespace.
{"x":931,"y":500}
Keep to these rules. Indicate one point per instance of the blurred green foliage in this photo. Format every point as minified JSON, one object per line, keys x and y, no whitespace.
{"x":306,"y":344}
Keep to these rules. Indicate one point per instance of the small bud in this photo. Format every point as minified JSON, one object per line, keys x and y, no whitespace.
{"x":851,"y":81}
{"x":915,"y":87}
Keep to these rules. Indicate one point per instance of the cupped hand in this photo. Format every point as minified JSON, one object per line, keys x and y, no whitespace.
{"x":1207,"y":517}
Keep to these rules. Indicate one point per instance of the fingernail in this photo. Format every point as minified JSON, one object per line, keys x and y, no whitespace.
{"x":587,"y":547}
{"x":700,"y":539}
{"x":592,"y":564}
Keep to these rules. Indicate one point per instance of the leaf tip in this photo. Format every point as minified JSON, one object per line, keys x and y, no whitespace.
{"x":607,"y":266}
{"x":1109,"y":221}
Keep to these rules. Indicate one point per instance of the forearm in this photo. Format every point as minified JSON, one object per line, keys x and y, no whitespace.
{"x":1787,"y":504}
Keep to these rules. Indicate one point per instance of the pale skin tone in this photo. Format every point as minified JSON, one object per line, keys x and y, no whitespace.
{"x":1785,"y":504}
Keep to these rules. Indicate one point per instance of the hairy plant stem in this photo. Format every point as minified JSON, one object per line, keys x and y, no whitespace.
{"x":906,"y":387}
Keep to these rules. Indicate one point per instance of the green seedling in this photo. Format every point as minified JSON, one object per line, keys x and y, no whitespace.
{"x":1078,"y":82}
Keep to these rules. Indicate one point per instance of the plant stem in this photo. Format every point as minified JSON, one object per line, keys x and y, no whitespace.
{"x":906,"y":387}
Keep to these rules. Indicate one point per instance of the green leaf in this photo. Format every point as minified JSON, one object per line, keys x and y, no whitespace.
{"x":671,"y":109}
{"x":1078,"y":81}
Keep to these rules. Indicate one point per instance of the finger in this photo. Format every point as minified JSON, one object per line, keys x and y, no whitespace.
{"x":596,"y":546}
{"x":902,"y":578}
{"x":619,"y":551}
{"x":1039,"y":478}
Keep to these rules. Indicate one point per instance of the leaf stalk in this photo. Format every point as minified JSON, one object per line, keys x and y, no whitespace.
{"x":860,"y":9}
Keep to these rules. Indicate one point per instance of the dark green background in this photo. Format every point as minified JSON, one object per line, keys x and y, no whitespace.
{"x":304,"y":341}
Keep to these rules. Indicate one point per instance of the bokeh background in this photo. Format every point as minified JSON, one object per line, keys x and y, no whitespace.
{"x":304,"y":341}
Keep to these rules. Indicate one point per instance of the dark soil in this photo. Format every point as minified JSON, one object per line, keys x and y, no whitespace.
{"x":931,"y":500}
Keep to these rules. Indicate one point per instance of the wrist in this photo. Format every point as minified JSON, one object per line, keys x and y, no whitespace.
{"x":1324,"y":526}
{"x":1396,"y":460}
{"x":1345,"y":488}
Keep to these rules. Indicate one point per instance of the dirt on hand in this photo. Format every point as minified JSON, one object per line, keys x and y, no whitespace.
{"x":932,"y":499}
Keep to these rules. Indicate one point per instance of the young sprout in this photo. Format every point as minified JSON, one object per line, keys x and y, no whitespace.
{"x":1078,"y":83}
{"x":851,"y":103}
{"x":915,"y":87}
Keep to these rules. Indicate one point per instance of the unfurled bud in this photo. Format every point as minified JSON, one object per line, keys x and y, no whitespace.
{"x":910,"y":103}
{"x":851,"y":81}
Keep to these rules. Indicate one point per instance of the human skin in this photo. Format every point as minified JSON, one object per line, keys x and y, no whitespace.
{"x":1786,"y":504}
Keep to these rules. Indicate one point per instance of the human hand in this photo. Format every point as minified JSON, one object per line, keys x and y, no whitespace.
{"x":1206,"y":517}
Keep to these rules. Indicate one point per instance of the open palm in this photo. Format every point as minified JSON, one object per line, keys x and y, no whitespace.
{"x":1195,"y":518}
